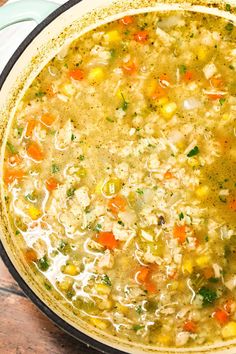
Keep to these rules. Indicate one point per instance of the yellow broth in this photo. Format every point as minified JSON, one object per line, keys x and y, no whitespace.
{"x":120,"y":178}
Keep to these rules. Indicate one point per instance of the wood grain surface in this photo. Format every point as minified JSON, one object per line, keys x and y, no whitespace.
{"x":23,"y":328}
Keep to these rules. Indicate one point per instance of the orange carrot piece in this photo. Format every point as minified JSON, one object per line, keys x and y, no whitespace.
{"x":180,"y":233}
{"x":107,"y":239}
{"x":129,"y":68}
{"x":190,"y":326}
{"x":117,"y":204}
{"x":141,"y":36}
{"x":51,"y":184}
{"x":232,"y":205}
{"x":151,"y":287}
{"x":30,"y":127}
{"x":159,"y":93}
{"x":12,"y":175}
{"x":216,"y":82}
{"x":47,"y":119}
{"x":188,"y":76}
{"x":34,"y":151}
{"x":164,"y":80}
{"x":77,"y":74}
{"x":221,"y":316}
{"x":143,"y":274}
{"x":208,"y":272}
{"x":31,"y":255}
{"x":168,"y":175}
{"x":127,"y":20}
{"x":215,"y":96}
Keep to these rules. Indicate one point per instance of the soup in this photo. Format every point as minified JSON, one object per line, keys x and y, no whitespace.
{"x":120,"y":178}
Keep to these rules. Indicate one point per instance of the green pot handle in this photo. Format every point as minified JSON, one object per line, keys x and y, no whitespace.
{"x":25,"y":10}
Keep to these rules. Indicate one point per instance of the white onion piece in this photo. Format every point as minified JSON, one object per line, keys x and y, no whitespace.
{"x":171,"y":21}
{"x":191,"y":103}
{"x":63,"y":53}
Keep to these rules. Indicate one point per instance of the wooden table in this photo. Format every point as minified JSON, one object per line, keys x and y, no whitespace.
{"x":23,"y":328}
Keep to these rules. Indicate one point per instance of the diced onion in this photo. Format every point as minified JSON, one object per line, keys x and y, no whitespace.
{"x":191,"y":103}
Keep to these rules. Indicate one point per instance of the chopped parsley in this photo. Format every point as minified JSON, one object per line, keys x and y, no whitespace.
{"x":121,"y":223}
{"x":137,"y":327}
{"x":125,"y":104}
{"x":73,"y":137}
{"x":40,"y":94}
{"x":48,"y":286}
{"x":182,"y":69}
{"x":17,"y":232}
{"x":11,"y":148}
{"x":19,"y":131}
{"x":193,"y":152}
{"x":231,"y":67}
{"x":110,"y":120}
{"x":229,"y":27}
{"x":113,"y":53}
{"x":81,"y":157}
{"x":139,"y":191}
{"x":139,"y":310}
{"x":209,"y":296}
{"x":98,"y":227}
{"x":228,"y":7}
{"x":30,"y":197}
{"x":55,"y":168}
{"x":43,"y":263}
{"x":181,"y":216}
{"x":222,"y":101}
{"x":106,"y":280}
{"x":70,"y":193}
{"x":207,"y":238}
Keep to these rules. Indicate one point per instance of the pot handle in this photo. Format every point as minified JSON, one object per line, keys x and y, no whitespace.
{"x":25,"y":10}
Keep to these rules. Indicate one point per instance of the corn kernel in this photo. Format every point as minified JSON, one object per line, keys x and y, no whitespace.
{"x":151,"y":88}
{"x":229,"y":330}
{"x":202,"y":192}
{"x":98,"y":323}
{"x":187,"y":266}
{"x":65,"y":284}
{"x":67,"y":89}
{"x":163,"y":339}
{"x":34,"y":213}
{"x":70,"y":269}
{"x":168,"y":110}
{"x":102,"y":289}
{"x":193,"y":162}
{"x":202,"y":53}
{"x":226,"y":116}
{"x":162,"y":101}
{"x":112,"y":187}
{"x":105,"y":305}
{"x":203,"y":261}
{"x":96,"y":75}
{"x":121,"y":308}
{"x":81,"y":172}
{"x":113,"y":36}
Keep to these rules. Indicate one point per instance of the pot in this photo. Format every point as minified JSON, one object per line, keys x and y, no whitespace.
{"x":59,"y":29}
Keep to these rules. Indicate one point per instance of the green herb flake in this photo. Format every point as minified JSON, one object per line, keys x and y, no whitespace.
{"x":40,"y":94}
{"x":125,"y":104}
{"x":70,"y":193}
{"x":48,"y":286}
{"x":81,"y":157}
{"x":110,"y":120}
{"x":55,"y":168}
{"x":228,"y":7}
{"x":137,"y":327}
{"x":214,"y":280}
{"x":121,"y":223}
{"x":19,"y":132}
{"x":139,"y":310}
{"x":207,"y":238}
{"x":43,"y":263}
{"x":11,"y":148}
{"x":193,"y":152}
{"x":140,"y":191}
{"x":231,"y":67}
{"x":191,"y":35}
{"x":113,"y":53}
{"x":222,"y":101}
{"x":73,"y":137}
{"x":181,"y":216}
{"x":209,"y":296}
{"x":17,"y":232}
{"x":30,"y":197}
{"x":98,"y":227}
{"x":229,"y":27}
{"x":182,"y":69}
{"x":106,"y":280}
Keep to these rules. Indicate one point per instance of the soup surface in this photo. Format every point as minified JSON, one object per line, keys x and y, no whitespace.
{"x":120,"y":178}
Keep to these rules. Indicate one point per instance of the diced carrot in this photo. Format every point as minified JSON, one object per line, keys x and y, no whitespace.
{"x":51,"y":184}
{"x":180,"y":233}
{"x":216,"y":82}
{"x":221,"y":316}
{"x":164,"y":80}
{"x":31,"y":255}
{"x":215,"y":96}
{"x":30,"y":127}
{"x":151,"y":287}
{"x":77,"y":74}
{"x":232,"y":205}
{"x":141,"y":36}
{"x":117,"y":204}
{"x":50,"y":91}
{"x":188,"y":76}
{"x":47,"y":119}
{"x":159,"y":93}
{"x":127,"y":20}
{"x":168,"y":175}
{"x":34,"y":151}
{"x":14,"y":160}
{"x":190,"y":326}
{"x":107,"y":239}
{"x":129,"y":68}
{"x":208,"y":272}
{"x":142,"y":274}
{"x":12,"y":175}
